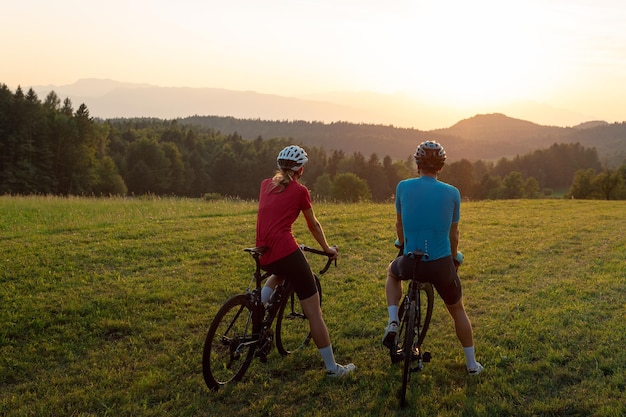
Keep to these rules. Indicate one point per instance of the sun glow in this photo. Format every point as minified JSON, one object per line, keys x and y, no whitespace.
{"x":468,"y":56}
{"x":471,"y":55}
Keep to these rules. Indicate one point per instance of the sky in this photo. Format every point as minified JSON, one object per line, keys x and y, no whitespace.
{"x":481,"y":55}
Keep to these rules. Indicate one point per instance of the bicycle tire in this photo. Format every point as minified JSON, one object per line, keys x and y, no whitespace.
{"x":225,"y":358}
{"x":413,"y":329}
{"x":292,"y":327}
{"x":428,"y":291}
{"x":407,"y":348}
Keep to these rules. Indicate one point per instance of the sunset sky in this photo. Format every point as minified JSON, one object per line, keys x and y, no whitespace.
{"x":477,"y":55}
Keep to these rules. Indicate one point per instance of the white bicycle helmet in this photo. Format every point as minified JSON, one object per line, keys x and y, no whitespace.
{"x":292,"y":157}
{"x":430,"y":155}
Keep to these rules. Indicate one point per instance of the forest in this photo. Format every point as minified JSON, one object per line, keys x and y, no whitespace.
{"x":49,"y":148}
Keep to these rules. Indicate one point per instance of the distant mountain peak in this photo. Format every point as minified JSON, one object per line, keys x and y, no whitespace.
{"x":492,"y":119}
{"x":98,"y":87}
{"x":497,"y":126}
{"x":591,"y":124}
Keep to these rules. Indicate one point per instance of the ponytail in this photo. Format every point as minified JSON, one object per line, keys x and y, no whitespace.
{"x":281,"y":180}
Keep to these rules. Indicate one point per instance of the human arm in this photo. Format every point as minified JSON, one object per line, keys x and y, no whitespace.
{"x":399,"y":228}
{"x":454,"y":242}
{"x":454,"y":238}
{"x":318,"y":232}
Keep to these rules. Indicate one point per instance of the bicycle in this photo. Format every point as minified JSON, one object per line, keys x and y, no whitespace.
{"x":414,"y":315}
{"x":242,"y":328}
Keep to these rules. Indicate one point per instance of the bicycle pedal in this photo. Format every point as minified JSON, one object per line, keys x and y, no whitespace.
{"x":426,"y":356}
{"x":418,"y":368}
{"x":396,"y":355}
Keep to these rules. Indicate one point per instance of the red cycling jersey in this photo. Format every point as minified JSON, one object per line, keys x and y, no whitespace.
{"x":277,"y":213}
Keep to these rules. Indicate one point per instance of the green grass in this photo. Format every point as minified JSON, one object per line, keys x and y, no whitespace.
{"x":104,"y":305}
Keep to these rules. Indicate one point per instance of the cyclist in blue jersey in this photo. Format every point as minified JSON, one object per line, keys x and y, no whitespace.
{"x":427,"y":218}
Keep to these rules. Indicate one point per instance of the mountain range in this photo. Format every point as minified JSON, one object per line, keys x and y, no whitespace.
{"x":325,"y":120}
{"x":110,"y":99}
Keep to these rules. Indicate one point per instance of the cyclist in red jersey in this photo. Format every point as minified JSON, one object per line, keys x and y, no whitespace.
{"x":281,"y":199}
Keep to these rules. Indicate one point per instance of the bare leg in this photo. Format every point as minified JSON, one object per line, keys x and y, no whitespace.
{"x":462,"y":323}
{"x":273,"y":281}
{"x":319,"y":331}
{"x":393,"y":289}
{"x":269,"y":287}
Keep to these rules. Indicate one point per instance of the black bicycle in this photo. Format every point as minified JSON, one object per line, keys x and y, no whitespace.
{"x":415,"y":313}
{"x":242,"y":328}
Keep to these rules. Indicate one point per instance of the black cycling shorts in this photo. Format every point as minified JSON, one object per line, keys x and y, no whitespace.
{"x":297,"y":271}
{"x":441,"y":273}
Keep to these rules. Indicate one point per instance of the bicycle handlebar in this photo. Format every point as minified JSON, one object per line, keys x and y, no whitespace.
{"x":320,"y":252}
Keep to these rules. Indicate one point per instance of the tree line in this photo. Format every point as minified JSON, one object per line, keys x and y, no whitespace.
{"x":569,"y":169}
{"x":47,"y":147}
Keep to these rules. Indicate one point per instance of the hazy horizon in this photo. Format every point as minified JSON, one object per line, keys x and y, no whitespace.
{"x":555,"y":62}
{"x":107,"y":98}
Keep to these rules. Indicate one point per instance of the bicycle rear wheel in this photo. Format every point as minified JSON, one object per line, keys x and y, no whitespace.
{"x":229,"y":345}
{"x":414,"y":322}
{"x":292,"y":326}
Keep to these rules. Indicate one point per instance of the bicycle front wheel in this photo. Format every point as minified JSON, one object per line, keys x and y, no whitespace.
{"x":292,"y":326}
{"x":427,"y":299}
{"x":408,"y":328}
{"x":229,"y":345}
{"x":422,"y":321}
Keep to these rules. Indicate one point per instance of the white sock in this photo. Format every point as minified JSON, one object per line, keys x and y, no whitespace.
{"x":266,"y":293}
{"x":470,"y":360}
{"x":329,"y":358}
{"x":393,"y":314}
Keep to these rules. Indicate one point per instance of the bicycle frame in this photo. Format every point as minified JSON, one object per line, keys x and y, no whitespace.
{"x":413,"y":326}
{"x":260,"y":276}
{"x":242,"y":327}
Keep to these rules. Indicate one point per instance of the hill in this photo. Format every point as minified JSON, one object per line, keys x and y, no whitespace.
{"x":482,"y":137}
{"x":336,"y":123}
{"x":509,"y":137}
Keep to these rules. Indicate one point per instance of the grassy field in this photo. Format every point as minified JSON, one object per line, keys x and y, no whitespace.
{"x":104,"y":305}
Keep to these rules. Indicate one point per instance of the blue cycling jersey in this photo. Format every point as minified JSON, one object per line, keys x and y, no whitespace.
{"x":428,"y":208}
